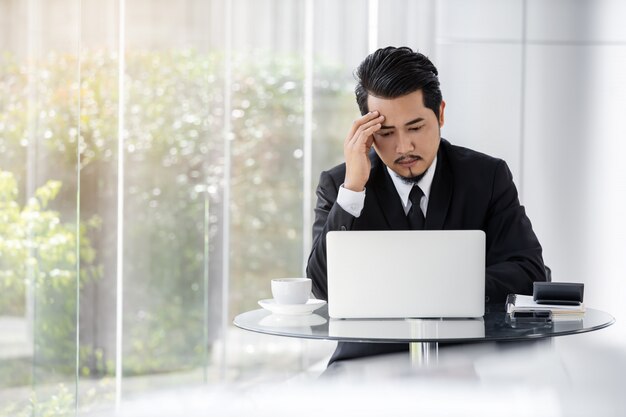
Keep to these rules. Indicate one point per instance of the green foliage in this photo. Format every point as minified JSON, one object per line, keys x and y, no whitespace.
{"x":36,"y":249}
{"x":174,"y":169}
{"x":38,"y":252}
{"x":60,"y":403}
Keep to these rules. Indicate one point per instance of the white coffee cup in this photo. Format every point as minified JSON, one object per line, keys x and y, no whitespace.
{"x":291,"y":290}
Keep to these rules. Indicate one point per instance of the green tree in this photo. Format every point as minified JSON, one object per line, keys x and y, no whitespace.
{"x":174,"y":153}
{"x":38,"y":252}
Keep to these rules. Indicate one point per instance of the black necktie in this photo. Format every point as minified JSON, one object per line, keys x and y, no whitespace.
{"x":415,"y":215}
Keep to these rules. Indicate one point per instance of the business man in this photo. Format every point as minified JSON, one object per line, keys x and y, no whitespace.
{"x":414,"y":179}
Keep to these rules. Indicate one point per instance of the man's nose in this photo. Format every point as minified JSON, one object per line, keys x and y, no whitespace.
{"x":404,"y":144}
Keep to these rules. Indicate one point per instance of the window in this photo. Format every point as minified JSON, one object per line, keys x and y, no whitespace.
{"x":158,"y":168}
{"x":158,"y":162}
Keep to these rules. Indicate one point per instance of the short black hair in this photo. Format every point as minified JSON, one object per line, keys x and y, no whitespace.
{"x":394,"y":72}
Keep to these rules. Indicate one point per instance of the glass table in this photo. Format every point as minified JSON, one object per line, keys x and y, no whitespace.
{"x":422,"y":335}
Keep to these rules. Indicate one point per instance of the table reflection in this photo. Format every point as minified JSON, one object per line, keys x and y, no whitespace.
{"x":299,"y":323}
{"x":407,"y":329}
{"x":495,"y":325}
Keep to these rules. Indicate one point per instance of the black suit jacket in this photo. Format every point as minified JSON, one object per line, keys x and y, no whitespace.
{"x":470,"y":190}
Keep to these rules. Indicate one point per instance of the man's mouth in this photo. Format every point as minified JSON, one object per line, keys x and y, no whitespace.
{"x":407,"y":161}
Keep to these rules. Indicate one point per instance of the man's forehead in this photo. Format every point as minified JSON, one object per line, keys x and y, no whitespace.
{"x":399,"y":111}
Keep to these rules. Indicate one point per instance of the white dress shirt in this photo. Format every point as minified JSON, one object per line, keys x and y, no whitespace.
{"x":353,"y":201}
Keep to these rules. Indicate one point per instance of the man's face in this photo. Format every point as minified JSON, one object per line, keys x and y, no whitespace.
{"x":408,"y":140}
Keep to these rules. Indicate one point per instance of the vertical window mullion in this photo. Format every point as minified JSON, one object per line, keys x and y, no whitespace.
{"x":308,"y":132}
{"x":227,"y":135}
{"x":120,"y":203}
{"x":372,"y":20}
{"x":78,"y":159}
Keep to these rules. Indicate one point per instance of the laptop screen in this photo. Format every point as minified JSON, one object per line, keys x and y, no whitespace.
{"x":407,"y":273}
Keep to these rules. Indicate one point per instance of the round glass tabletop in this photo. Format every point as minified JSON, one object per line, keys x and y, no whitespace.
{"x":494,"y":326}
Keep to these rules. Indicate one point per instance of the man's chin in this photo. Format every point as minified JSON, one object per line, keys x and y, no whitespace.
{"x":409,"y":173}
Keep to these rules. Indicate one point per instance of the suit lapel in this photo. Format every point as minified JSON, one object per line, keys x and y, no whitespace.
{"x":389,"y":202}
{"x":440,"y":193}
{"x":387,"y":197}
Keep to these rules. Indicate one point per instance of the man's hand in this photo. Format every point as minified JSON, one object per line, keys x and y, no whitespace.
{"x":356,"y":148}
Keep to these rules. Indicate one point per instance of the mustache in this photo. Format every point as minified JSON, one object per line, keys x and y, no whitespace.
{"x":407,"y":158}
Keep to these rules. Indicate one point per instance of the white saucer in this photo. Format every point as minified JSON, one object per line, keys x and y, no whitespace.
{"x":292,"y":309}
{"x":301,"y":321}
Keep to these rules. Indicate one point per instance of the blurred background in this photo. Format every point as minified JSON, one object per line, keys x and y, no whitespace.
{"x":158,"y":162}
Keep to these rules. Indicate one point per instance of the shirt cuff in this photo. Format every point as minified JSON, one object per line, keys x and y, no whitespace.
{"x":351,"y":201}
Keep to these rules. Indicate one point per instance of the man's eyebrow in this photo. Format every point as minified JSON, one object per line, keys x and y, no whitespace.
{"x":419,"y":119}
{"x":412,"y":122}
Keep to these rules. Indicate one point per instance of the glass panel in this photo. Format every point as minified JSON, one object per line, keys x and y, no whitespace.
{"x":267,"y":170}
{"x":340,"y":44}
{"x":267,"y":117}
{"x":173,"y":172}
{"x":412,"y":23}
{"x":173,"y":110}
{"x":98,"y":202}
{"x":38,"y":226}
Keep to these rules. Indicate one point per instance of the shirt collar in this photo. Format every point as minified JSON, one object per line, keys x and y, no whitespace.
{"x":425,"y":183}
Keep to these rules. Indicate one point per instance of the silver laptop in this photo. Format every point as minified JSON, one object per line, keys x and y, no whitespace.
{"x":406,"y":273}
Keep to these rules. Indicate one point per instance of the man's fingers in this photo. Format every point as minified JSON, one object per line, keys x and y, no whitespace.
{"x":358,"y":123}
{"x":365,"y":136}
{"x":367,"y":133}
{"x":359,"y":134}
{"x":369,"y":141}
{"x":372,"y":122}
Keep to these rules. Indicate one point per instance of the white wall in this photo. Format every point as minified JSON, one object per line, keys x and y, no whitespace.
{"x":543,"y":85}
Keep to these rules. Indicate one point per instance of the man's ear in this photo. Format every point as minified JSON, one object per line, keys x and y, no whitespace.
{"x":442,"y":107}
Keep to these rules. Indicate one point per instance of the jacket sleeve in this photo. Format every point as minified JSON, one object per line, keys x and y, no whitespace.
{"x":328,"y":216}
{"x":514,"y":255}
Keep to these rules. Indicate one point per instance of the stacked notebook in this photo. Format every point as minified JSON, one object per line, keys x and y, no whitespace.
{"x":525,"y":303}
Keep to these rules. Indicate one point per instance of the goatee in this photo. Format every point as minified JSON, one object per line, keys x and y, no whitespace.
{"x":412,"y":180}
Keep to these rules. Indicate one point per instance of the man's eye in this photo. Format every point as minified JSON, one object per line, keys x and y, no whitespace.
{"x":416,"y":128}
{"x":385,"y":134}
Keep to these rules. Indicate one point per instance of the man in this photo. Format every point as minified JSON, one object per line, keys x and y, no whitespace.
{"x":452,"y":188}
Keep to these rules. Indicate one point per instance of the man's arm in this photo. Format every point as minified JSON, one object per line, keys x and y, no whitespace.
{"x":328,"y":216}
{"x":514,"y":259}
{"x":328,"y":213}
